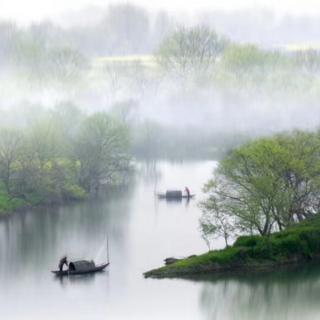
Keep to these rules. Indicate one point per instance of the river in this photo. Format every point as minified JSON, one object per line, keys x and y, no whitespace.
{"x":142,"y":231}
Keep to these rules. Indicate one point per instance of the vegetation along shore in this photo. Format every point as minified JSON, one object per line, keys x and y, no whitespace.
{"x":266,"y":191}
{"x":60,"y":155}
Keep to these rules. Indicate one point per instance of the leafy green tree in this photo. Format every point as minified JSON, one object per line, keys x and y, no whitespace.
{"x":267,"y":184}
{"x":102,"y":149}
{"x":46,"y":140}
{"x":215,"y":222}
{"x":10,"y":150}
{"x":44,"y":143}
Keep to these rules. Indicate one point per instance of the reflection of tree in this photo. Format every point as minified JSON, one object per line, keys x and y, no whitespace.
{"x":282,"y":295}
{"x":151,"y":173}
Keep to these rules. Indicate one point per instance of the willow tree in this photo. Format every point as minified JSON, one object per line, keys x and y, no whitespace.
{"x":267,"y":184}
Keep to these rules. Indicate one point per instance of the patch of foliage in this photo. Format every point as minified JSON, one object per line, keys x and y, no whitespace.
{"x":60,"y":155}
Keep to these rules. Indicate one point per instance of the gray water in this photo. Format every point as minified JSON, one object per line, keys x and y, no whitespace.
{"x":142,"y":232}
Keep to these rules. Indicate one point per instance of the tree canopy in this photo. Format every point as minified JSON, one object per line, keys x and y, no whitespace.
{"x":102,"y":148}
{"x":267,"y":184}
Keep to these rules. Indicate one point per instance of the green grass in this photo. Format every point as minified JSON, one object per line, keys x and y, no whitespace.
{"x":298,"y":243}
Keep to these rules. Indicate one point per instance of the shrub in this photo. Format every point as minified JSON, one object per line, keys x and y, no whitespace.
{"x":73,"y":192}
{"x":247,"y":241}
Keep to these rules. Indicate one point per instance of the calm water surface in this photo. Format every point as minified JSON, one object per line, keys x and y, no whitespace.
{"x":142,"y":232}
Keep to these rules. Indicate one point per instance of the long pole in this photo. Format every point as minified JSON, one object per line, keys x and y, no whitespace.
{"x":107,"y":248}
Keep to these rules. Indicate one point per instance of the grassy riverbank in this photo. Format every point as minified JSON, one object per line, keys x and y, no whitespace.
{"x":297,"y":244}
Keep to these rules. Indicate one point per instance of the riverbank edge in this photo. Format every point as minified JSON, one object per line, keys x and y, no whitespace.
{"x":232,"y":269}
{"x":10,"y":204}
{"x":84,"y":197}
{"x":294,"y":246}
{"x":26,"y":207}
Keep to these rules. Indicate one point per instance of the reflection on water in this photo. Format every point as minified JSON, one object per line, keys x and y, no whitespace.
{"x":142,"y":231}
{"x":290,"y":294}
{"x":84,"y":279}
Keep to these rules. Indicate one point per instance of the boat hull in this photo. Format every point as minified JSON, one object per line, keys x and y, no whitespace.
{"x":73,"y":273}
{"x":164,"y":196}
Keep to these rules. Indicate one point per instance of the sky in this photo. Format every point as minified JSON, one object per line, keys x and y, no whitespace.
{"x":27,"y":11}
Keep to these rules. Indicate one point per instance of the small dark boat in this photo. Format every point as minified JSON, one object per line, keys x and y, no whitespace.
{"x":175,"y":195}
{"x":81,"y":267}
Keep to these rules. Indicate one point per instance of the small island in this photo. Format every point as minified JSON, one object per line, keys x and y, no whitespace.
{"x":267,"y":192}
{"x":298,"y":244}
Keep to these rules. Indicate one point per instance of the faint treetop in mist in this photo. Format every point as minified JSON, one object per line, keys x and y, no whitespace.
{"x":190,"y":50}
{"x":126,"y":28}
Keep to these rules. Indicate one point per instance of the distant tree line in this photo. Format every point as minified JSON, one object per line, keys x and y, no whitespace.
{"x":39,"y":53}
{"x":122,"y":29}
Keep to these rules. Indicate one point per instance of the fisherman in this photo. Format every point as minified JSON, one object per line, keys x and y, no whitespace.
{"x":186,"y":189}
{"x":62,"y":262}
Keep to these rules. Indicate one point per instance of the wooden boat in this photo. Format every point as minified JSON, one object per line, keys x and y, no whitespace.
{"x":163,"y":196}
{"x":81,"y":267}
{"x":175,"y":195}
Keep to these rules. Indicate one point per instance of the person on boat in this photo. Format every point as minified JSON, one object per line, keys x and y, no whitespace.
{"x":186,"y":189}
{"x":63,"y":261}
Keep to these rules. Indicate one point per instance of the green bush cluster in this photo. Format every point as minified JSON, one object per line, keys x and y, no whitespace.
{"x":302,"y":240}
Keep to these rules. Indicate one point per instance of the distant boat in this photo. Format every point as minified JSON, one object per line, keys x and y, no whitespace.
{"x":175,"y":195}
{"x":81,"y":267}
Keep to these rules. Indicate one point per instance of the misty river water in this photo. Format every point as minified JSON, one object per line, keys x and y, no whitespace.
{"x":142,"y":231}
